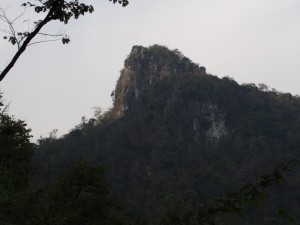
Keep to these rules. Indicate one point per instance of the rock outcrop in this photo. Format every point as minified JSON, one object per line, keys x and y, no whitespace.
{"x":145,"y":68}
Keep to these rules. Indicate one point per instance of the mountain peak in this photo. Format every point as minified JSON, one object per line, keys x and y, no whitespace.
{"x":146,"y":66}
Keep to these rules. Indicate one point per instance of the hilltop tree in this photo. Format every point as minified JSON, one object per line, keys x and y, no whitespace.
{"x":16,"y":150}
{"x":79,"y":195}
{"x":55,"y":10}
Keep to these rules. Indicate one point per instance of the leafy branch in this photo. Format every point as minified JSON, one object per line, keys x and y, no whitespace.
{"x":54,"y":10}
{"x":249,"y":194}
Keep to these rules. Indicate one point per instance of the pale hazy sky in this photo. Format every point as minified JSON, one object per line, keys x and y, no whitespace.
{"x":52,"y":85}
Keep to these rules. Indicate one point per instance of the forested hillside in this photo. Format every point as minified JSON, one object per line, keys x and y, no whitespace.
{"x":177,"y":137}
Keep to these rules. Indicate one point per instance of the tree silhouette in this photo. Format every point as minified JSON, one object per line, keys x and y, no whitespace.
{"x":55,"y":10}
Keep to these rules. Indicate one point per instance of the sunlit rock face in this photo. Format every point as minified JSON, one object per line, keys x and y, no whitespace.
{"x":215,"y":128}
{"x":146,"y":66}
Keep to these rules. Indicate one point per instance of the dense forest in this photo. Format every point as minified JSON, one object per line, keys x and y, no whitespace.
{"x":176,"y":142}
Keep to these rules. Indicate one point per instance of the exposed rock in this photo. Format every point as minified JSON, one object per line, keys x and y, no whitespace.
{"x":217,"y":129}
{"x":146,"y":66}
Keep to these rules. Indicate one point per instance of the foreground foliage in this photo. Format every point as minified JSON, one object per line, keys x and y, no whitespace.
{"x":78,"y":195}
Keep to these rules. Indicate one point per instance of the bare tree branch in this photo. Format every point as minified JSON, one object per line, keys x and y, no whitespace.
{"x":15,"y":37}
{"x":51,"y":35}
{"x":24,"y":45}
{"x":39,"y":42}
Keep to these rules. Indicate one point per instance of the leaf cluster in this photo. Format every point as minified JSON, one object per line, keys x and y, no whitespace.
{"x":123,"y":2}
{"x":61,"y":10}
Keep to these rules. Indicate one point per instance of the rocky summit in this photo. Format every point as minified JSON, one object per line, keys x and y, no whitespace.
{"x":144,"y":67}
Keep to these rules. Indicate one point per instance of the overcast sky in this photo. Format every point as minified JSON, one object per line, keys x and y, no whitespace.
{"x":53,"y":85}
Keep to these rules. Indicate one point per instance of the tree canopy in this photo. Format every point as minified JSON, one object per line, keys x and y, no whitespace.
{"x":78,"y":195}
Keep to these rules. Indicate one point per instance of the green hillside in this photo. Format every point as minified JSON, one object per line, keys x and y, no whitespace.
{"x":177,"y":137}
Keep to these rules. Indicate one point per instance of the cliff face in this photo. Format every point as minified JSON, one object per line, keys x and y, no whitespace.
{"x":147,"y":67}
{"x":143,"y":68}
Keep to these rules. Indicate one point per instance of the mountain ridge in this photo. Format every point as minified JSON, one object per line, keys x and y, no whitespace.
{"x":176,"y":138}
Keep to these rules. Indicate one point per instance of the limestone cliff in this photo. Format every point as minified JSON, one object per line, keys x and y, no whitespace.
{"x":147,"y":67}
